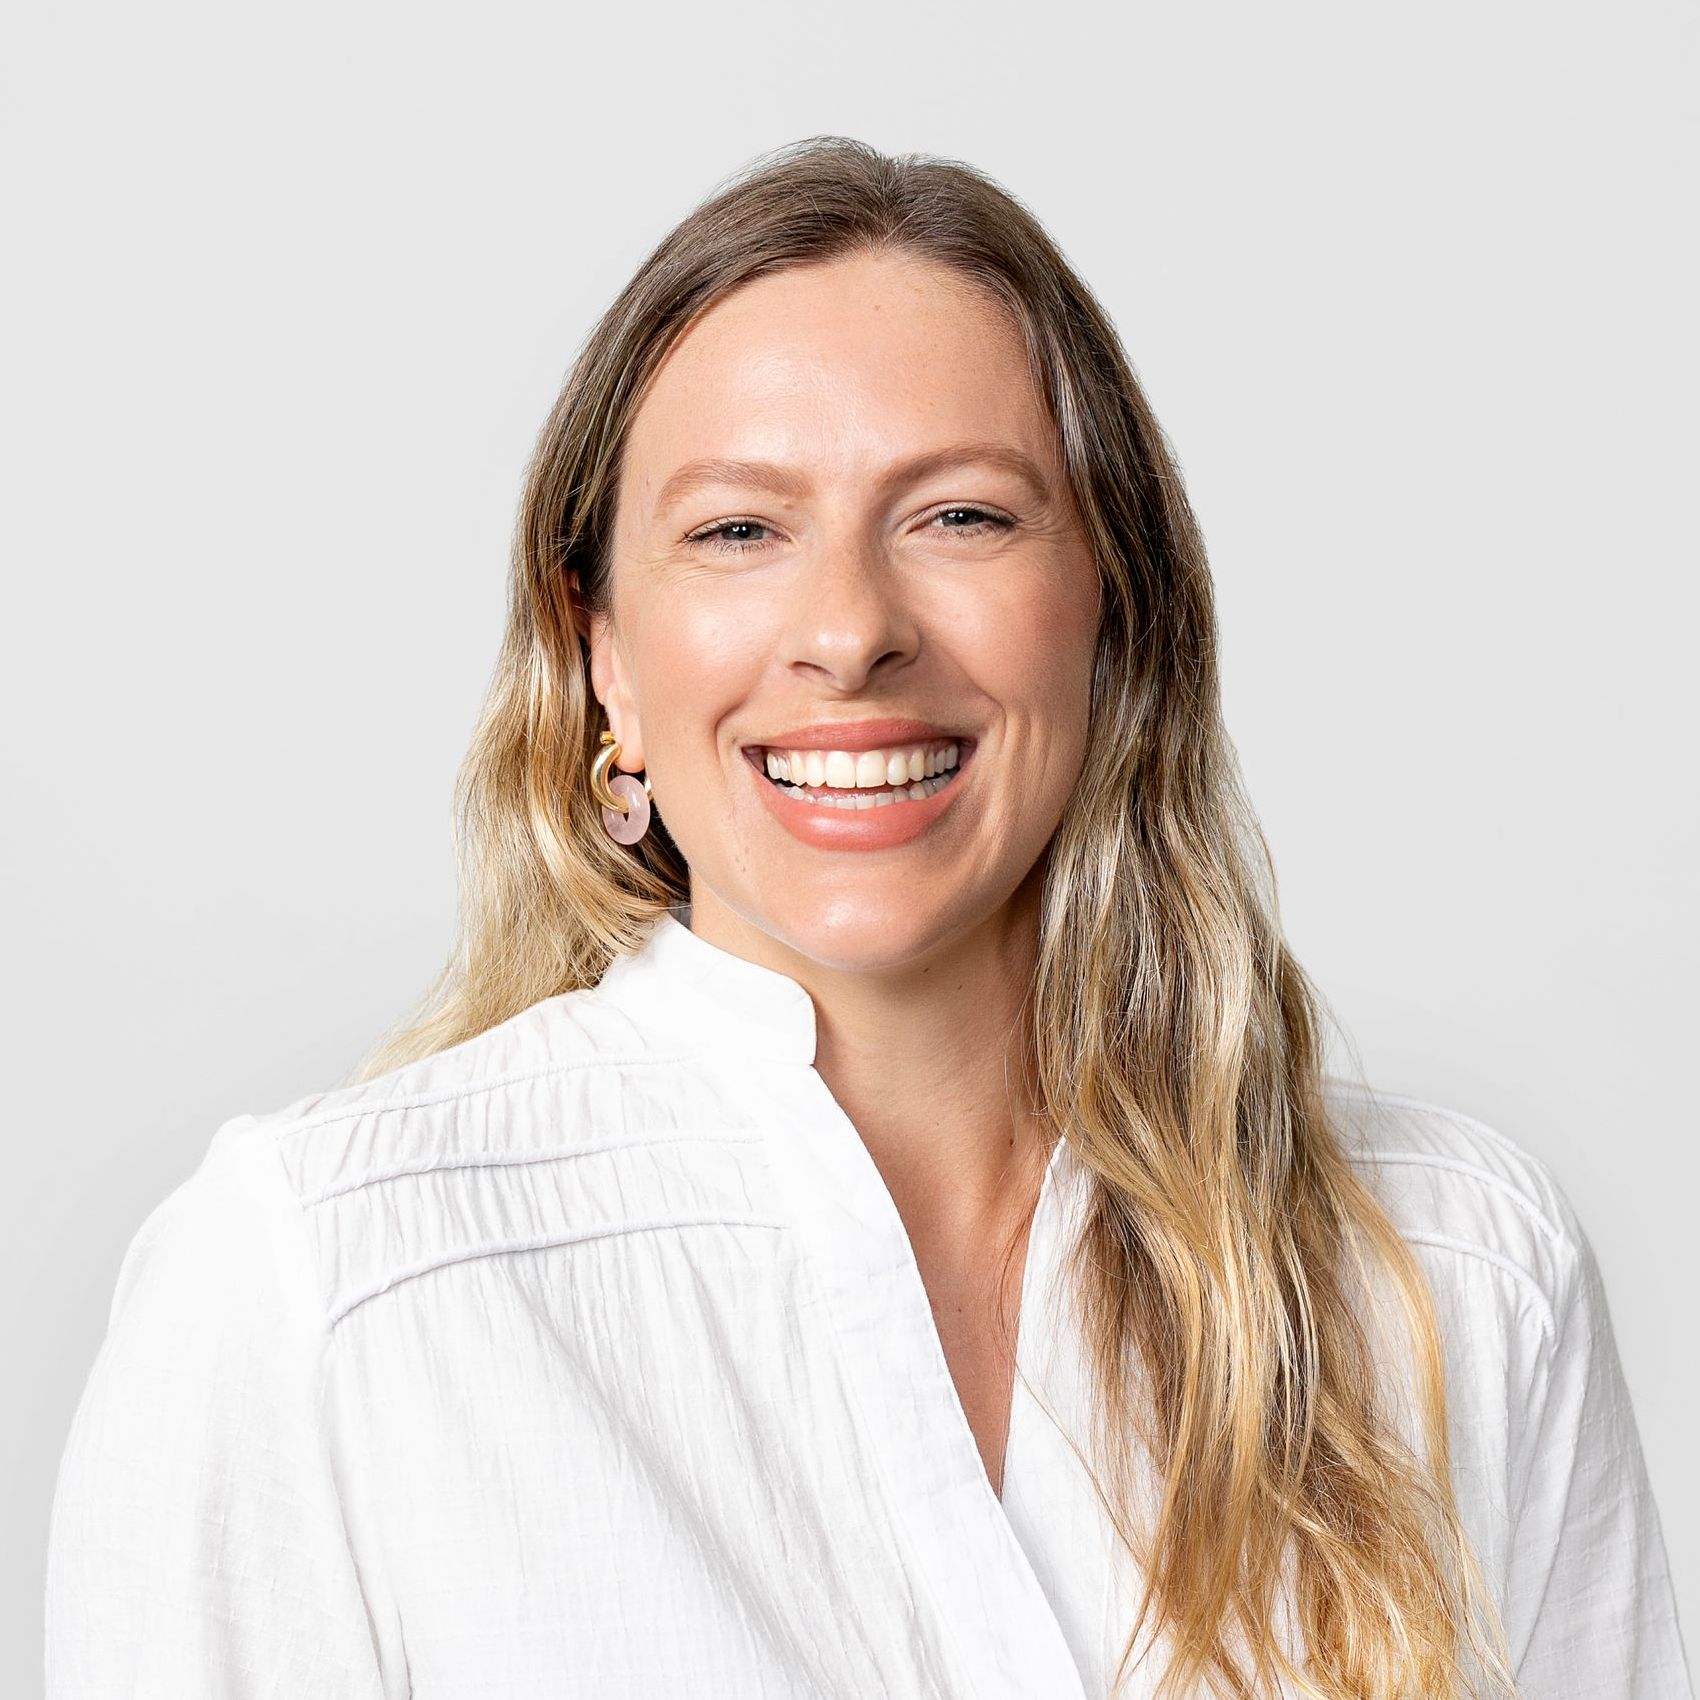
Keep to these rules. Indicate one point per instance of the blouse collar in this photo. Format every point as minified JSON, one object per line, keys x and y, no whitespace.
{"x":680,"y":985}
{"x":865,"y":1286}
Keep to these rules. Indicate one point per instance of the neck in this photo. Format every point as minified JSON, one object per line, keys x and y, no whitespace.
{"x":929,"y":1059}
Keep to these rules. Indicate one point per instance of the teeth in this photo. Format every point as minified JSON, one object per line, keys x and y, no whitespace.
{"x":872,"y":799}
{"x":886,"y":771}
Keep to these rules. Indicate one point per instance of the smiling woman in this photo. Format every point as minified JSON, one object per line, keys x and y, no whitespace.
{"x":861,"y":1213}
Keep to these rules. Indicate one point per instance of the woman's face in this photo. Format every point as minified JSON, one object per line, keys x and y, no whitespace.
{"x":842,"y":508}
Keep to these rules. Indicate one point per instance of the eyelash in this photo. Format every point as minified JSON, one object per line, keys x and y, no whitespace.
{"x":710,"y":533}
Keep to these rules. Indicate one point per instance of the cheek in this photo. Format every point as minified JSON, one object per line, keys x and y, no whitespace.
{"x":1033,"y":653}
{"x":693,"y":659}
{"x":994,"y":626}
{"x":1068,"y":638}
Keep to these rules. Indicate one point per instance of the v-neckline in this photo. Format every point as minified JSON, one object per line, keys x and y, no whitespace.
{"x":1008,"y":1634}
{"x":973,"y":1574}
{"x":1037,"y":1277}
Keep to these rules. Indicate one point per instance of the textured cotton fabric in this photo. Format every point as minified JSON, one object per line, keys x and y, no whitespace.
{"x":591,"y":1358}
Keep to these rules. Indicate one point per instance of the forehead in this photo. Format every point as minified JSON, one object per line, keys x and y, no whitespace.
{"x":839,"y":368}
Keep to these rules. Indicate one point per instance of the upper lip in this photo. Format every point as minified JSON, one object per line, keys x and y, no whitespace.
{"x":854,"y":735}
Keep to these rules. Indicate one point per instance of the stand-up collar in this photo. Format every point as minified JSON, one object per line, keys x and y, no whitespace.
{"x":689,"y":990}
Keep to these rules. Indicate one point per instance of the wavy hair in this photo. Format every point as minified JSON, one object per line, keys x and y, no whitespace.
{"x":1227,"y":1244}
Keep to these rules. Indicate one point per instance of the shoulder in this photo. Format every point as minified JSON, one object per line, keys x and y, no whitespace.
{"x":289,"y":1214}
{"x":221,"y":1242}
{"x":1485,"y":1210}
{"x":551,"y":1037}
{"x":552,"y":1124}
{"x":569,"y":1070}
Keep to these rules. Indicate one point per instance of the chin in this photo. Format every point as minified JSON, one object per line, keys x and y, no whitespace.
{"x":862,"y":934}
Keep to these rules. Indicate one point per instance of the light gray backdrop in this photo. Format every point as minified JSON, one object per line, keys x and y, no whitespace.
{"x":290,"y":292}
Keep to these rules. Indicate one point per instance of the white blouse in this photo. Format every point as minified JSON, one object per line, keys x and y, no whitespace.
{"x":591,"y":1358}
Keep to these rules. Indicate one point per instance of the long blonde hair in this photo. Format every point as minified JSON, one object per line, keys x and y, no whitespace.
{"x":1227,"y":1238}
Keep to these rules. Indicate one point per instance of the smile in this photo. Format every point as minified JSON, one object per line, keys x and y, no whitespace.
{"x":879,"y":799}
{"x":863,"y":779}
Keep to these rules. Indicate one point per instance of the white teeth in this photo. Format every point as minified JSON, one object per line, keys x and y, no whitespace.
{"x":871,"y":799}
{"x":871,"y":769}
{"x":885,"y":771}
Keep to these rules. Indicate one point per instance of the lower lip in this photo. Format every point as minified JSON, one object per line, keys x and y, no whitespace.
{"x":883,"y":827}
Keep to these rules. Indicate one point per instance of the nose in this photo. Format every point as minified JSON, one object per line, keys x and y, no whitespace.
{"x":850,"y":617}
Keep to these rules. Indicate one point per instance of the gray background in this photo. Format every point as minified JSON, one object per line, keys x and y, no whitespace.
{"x":1411,"y":289}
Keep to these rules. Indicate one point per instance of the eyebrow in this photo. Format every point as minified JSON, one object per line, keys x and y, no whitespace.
{"x":787,"y":481}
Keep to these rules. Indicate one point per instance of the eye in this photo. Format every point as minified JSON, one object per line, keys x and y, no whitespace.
{"x":731,"y":536}
{"x":962,"y":517}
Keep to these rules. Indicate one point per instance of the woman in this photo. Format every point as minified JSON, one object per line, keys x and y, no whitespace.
{"x":862,"y":1215}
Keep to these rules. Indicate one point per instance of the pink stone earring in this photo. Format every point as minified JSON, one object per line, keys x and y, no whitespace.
{"x":624,"y":799}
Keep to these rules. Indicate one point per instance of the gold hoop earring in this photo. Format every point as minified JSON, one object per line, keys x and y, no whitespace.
{"x":624,"y":799}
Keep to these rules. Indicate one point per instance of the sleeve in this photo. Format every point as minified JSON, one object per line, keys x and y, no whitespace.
{"x":197,"y":1548}
{"x":1591,"y":1613}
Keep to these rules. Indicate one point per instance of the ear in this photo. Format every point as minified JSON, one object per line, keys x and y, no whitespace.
{"x":610,"y":680}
